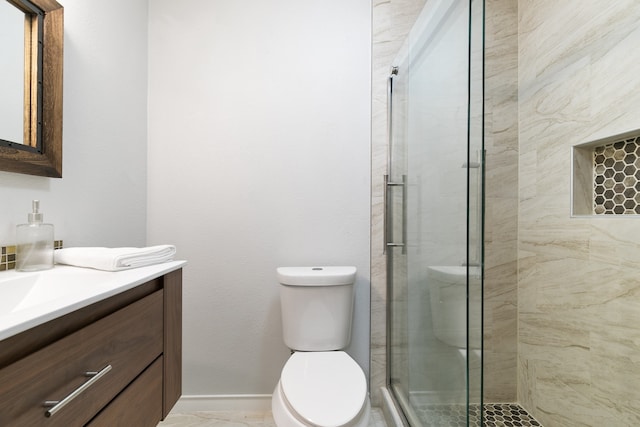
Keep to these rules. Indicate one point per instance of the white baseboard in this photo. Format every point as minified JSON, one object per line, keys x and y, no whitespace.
{"x":223,"y":402}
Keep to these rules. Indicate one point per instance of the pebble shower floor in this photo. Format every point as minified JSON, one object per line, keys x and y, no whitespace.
{"x":495,"y":415}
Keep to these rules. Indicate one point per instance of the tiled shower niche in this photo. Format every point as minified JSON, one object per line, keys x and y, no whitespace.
{"x":606,"y":176}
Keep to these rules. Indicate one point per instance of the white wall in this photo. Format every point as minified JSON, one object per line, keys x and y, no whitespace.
{"x":259,"y":156}
{"x":259,"y":119}
{"x":101,"y":199}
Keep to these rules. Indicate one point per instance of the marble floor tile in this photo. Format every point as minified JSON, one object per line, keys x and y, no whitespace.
{"x":219,"y":418}
{"x":239,"y":419}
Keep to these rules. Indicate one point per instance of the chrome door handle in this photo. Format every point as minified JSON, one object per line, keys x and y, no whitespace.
{"x":57,"y":405}
{"x":388,"y":183}
{"x":387,"y":230}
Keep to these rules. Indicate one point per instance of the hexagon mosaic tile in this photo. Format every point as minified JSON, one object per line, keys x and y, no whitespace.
{"x":616,"y":174}
{"x":495,"y":415}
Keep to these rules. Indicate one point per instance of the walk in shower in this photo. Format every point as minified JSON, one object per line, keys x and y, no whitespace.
{"x":434,"y":217}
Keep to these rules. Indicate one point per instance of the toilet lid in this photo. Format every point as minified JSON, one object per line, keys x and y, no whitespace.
{"x":325,"y":388}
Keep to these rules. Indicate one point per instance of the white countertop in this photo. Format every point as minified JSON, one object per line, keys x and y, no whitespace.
{"x":31,"y":299}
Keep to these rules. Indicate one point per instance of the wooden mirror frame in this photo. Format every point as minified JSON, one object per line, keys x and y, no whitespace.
{"x":48,"y":162}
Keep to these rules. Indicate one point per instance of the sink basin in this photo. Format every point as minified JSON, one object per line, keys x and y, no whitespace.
{"x":30,"y":299}
{"x":26,"y":290}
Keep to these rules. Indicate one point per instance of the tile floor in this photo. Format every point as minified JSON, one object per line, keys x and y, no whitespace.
{"x":495,"y":415}
{"x":239,"y":419}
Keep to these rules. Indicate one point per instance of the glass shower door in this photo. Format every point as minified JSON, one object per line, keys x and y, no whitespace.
{"x":434,"y":217}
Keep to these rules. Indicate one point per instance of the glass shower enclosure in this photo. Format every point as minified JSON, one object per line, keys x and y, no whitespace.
{"x":434,"y":217}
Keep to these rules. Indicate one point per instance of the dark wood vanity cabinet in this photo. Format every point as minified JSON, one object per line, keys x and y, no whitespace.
{"x":122,"y":353}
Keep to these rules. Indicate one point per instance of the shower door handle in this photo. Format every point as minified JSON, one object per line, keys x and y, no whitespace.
{"x":388,"y":185}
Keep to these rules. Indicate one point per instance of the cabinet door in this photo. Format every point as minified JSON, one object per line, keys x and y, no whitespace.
{"x":139,"y":405}
{"x":128,"y":340}
{"x":172,"y":340}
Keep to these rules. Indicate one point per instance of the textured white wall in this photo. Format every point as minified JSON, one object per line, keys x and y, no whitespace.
{"x":101,"y":199}
{"x":259,"y":156}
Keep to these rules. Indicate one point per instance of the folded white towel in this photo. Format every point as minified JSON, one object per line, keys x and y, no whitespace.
{"x":115,"y":259}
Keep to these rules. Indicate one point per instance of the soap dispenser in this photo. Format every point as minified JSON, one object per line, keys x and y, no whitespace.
{"x":34,"y":242}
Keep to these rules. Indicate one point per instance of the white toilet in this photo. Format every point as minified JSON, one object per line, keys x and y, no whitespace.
{"x":320,"y":385}
{"x":449,"y":299}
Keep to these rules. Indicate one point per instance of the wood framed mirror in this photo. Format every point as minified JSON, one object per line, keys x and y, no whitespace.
{"x":40,"y":151}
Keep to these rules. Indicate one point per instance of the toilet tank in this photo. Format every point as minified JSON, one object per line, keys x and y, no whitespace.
{"x":317,"y":307}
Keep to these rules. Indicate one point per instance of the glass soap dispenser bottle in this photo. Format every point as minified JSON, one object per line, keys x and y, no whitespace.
{"x":34,"y":245}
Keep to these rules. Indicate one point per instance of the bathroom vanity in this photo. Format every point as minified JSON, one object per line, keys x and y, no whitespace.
{"x":107,"y":355}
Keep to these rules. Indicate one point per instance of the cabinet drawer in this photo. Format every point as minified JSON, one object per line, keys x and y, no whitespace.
{"x":128,"y":340}
{"x":139,"y":405}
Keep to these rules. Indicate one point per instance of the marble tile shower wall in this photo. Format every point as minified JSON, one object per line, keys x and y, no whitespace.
{"x":501,"y":200}
{"x":578,"y":292}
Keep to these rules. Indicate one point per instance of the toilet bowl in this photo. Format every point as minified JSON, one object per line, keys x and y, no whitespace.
{"x":320,"y":385}
{"x":324,"y":389}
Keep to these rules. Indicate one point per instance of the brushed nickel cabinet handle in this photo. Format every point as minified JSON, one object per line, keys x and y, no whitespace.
{"x":57,"y":405}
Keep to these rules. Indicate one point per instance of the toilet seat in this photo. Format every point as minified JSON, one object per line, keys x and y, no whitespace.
{"x":325,"y":388}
